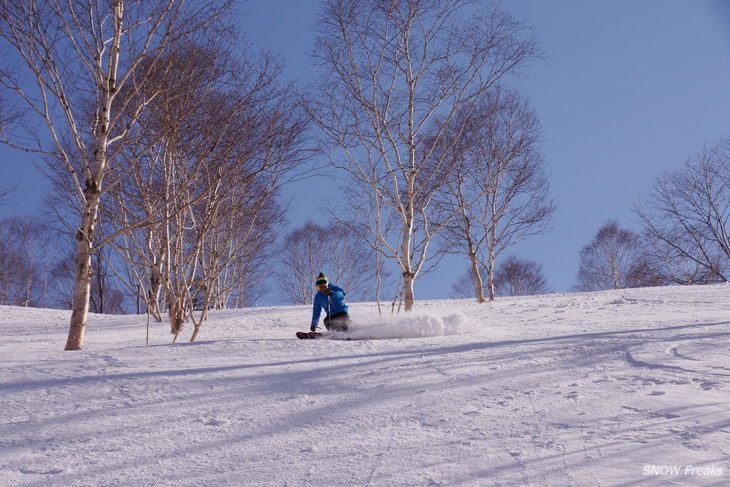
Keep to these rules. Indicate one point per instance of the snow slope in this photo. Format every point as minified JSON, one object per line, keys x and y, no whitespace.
{"x":616,"y":388}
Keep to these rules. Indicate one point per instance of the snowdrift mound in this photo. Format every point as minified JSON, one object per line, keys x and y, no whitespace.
{"x":411,"y":326}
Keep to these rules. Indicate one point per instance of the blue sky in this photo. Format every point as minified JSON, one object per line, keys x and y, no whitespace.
{"x":630,"y":88}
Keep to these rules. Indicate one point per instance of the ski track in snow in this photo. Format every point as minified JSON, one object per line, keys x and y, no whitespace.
{"x":583,"y":389}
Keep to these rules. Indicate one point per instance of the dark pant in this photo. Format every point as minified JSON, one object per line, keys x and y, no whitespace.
{"x":337,"y":322}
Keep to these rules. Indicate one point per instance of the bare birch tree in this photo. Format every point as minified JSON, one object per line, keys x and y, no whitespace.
{"x":24,"y":261}
{"x":496,"y":183}
{"x":685,"y":216}
{"x":616,"y":258}
{"x":79,"y":58}
{"x":222,"y":144}
{"x":516,"y":276}
{"x":241,"y":250}
{"x":392,"y":72}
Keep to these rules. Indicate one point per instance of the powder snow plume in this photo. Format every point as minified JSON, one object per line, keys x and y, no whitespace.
{"x":411,"y":326}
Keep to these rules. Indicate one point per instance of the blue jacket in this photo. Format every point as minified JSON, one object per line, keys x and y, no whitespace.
{"x":332,"y":304}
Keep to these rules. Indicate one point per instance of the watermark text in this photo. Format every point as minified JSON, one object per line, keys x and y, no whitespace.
{"x":683,"y":471}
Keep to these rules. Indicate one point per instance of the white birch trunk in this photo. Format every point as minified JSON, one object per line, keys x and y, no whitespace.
{"x":409,"y":276}
{"x":92,"y":193}
{"x":478,"y":282}
{"x":490,"y":281}
{"x":82,"y":274}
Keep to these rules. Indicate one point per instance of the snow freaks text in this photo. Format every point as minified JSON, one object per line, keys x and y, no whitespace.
{"x":682,"y":470}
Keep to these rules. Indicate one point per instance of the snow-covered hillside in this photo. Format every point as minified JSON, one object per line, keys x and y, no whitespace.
{"x":602,"y":389}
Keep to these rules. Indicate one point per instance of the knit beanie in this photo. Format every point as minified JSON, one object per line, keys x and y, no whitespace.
{"x":321,"y":282}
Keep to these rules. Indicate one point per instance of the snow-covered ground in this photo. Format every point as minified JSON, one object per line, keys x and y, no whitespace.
{"x":618,"y":388}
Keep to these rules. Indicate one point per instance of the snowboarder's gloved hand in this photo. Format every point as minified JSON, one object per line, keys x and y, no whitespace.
{"x":313,"y":328}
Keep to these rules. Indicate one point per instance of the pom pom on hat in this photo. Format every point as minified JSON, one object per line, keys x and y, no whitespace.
{"x":321,"y":282}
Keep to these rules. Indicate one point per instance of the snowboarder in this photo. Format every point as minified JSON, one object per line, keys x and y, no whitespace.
{"x":332,"y":299}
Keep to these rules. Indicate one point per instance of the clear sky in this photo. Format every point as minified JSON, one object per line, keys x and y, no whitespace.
{"x":630,"y":88}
